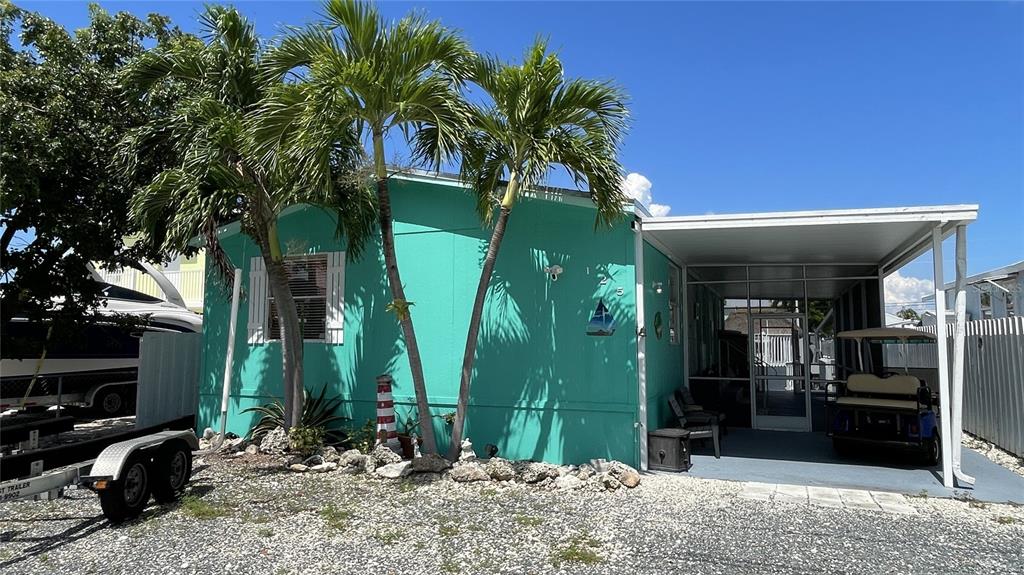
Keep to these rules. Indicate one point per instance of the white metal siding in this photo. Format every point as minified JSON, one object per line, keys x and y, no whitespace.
{"x":168,"y":377}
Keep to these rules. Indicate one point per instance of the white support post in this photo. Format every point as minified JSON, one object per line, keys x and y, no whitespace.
{"x":684,"y":324}
{"x":641,"y":344}
{"x":945,"y":400}
{"x":959,"y":334}
{"x":229,"y":357}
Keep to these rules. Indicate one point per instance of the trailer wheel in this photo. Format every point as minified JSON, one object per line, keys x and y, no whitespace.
{"x":932,"y":450}
{"x":110,"y":401}
{"x":127,"y":497}
{"x":172,"y":468}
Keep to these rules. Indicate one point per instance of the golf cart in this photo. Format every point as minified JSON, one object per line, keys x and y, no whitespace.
{"x":891,"y":410}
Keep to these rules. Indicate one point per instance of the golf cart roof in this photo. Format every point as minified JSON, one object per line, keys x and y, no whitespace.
{"x":902,"y":334}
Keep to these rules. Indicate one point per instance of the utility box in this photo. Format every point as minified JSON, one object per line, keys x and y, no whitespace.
{"x":668,"y":449}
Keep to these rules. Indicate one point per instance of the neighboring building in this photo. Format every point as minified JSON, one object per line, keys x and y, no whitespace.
{"x":548,"y":385}
{"x":992,"y":294}
{"x":186,"y":274}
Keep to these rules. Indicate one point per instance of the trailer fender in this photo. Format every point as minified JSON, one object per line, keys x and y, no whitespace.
{"x":109,"y":464}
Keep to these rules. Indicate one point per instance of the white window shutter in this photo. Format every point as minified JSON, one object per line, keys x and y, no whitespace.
{"x":257,"y":300}
{"x":335,"y":297}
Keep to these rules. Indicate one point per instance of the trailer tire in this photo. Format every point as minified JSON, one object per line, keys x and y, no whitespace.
{"x":111,"y":401}
{"x":126,"y":498}
{"x":172,"y":468}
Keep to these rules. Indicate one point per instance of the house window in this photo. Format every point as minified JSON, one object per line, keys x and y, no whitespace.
{"x":307,"y":279}
{"x":317,"y":283}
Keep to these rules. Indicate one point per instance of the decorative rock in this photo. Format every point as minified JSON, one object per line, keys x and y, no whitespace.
{"x":274,"y":442}
{"x":324,"y":467}
{"x":330,"y":454}
{"x":625,"y":474}
{"x":382,"y":455}
{"x":298,"y":468}
{"x":352,"y":458}
{"x":533,"y":472}
{"x":394,"y":470}
{"x":585,"y":472}
{"x":609,"y":482}
{"x":499,"y":469}
{"x":467,"y":453}
{"x":209,"y":433}
{"x":252,"y":449}
{"x":568,"y":482}
{"x":430,"y":463}
{"x":293,"y":459}
{"x":468,"y":472}
{"x":233,"y":444}
{"x":599,"y":465}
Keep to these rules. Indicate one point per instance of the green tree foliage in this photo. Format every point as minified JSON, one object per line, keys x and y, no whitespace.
{"x":908,"y":313}
{"x":537,"y":120}
{"x":240,"y":162}
{"x":61,"y":116}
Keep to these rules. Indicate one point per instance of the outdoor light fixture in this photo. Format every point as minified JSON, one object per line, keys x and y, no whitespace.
{"x":656,"y":286}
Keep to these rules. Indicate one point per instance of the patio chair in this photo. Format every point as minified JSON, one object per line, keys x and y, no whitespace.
{"x":685,"y":398}
{"x":700,"y":426}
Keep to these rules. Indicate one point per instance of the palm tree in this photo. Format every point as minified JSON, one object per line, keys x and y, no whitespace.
{"x":235,"y":165}
{"x":537,"y":120}
{"x":386,"y":77}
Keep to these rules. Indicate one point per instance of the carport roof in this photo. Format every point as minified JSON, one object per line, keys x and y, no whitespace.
{"x":884,"y":237}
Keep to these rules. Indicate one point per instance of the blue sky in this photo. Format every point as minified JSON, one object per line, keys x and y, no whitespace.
{"x":775,"y":106}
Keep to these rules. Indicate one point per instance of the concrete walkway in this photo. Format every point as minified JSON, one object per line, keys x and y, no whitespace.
{"x":828,"y":497}
{"x":793,"y":458}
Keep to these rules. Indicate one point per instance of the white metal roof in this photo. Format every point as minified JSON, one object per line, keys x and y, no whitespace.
{"x":884,"y":237}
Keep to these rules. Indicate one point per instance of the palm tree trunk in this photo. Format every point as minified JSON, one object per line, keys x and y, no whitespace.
{"x":474,"y":320}
{"x":398,"y":295}
{"x":291,"y":333}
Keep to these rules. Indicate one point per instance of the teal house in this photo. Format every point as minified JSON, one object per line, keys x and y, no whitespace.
{"x":586,"y":331}
{"x":557,"y":364}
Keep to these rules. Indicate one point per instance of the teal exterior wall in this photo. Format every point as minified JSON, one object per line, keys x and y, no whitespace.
{"x":664,"y":359}
{"x":543,"y":389}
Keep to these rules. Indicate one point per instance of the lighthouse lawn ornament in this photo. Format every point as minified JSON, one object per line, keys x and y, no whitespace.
{"x":386,"y":433}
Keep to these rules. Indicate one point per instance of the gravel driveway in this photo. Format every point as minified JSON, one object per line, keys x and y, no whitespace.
{"x":248,"y":518}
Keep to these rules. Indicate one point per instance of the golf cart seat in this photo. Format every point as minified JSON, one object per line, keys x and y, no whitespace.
{"x":893,"y":392}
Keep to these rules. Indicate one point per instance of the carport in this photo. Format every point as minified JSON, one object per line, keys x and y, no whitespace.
{"x":759,"y":289}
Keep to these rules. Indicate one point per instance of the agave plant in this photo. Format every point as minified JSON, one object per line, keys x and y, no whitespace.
{"x":317,"y":412}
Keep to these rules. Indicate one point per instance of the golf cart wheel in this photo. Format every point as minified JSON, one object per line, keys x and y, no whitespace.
{"x":172,"y":468}
{"x":932,"y":450}
{"x":110,"y":401}
{"x":127,"y":497}
{"x":841,"y":447}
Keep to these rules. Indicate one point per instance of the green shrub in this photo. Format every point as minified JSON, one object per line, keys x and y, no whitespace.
{"x":363,"y":438}
{"x":317,"y":412}
{"x":306,"y":440}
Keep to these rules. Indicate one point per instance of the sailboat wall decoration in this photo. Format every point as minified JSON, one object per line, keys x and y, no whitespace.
{"x":601,"y":323}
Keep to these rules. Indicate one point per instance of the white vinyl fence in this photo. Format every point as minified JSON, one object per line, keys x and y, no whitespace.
{"x":993,"y":377}
{"x":168,"y":377}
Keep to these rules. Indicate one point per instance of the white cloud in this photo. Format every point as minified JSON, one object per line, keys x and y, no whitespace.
{"x":658,"y":210}
{"x":638,"y":187}
{"x":904,"y":289}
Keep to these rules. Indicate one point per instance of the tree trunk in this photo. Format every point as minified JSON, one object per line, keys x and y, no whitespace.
{"x":291,"y":333}
{"x":474,"y":320}
{"x":398,"y":295}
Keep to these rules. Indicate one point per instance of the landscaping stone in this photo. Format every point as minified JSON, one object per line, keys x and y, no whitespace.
{"x":274,"y":442}
{"x":252,"y":449}
{"x":533,"y":472}
{"x":394,"y":470}
{"x":624,"y":474}
{"x":331,"y":454}
{"x":500,"y":469}
{"x":324,"y":467}
{"x":568,"y":482}
{"x":586,"y":471}
{"x":298,"y":468}
{"x":382,"y":455}
{"x":609,"y":482}
{"x":352,"y":458}
{"x":430,"y":463}
{"x":468,"y":472}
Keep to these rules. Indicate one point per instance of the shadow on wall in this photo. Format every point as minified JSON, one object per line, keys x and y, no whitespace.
{"x":542,"y":388}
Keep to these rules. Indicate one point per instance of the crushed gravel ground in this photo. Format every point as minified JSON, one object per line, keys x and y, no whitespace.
{"x":244,"y":516}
